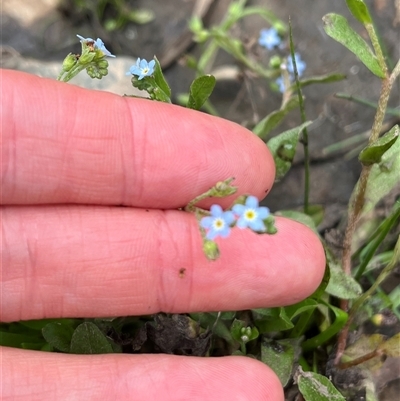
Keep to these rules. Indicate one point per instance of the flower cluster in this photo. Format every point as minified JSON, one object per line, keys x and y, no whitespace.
{"x":250,"y":215}
{"x":97,"y":44}
{"x":270,"y":39}
{"x":92,"y":59}
{"x":142,"y":68}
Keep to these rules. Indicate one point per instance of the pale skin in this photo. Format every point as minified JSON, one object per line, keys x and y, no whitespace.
{"x":70,"y":159}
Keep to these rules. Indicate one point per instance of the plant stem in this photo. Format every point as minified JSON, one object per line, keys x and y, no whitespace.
{"x":304,"y":137}
{"x":377,"y":47}
{"x":362,"y":359}
{"x":357,"y":203}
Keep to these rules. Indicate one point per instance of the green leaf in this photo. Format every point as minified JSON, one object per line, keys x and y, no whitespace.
{"x":33,"y":346}
{"x":200,"y":90}
{"x":340,"y":284}
{"x":383,"y":177}
{"x":280,"y":356}
{"x":160,"y":79}
{"x":272,"y":120}
{"x":88,"y":339}
{"x":332,"y":329}
{"x":337,"y":27}
{"x":17,"y":340}
{"x":315,"y":387}
{"x":359,"y":11}
{"x":283,"y":148}
{"x":306,"y":305}
{"x":373,"y":153}
{"x":58,"y":335}
{"x":316,"y":212}
{"x":322,"y":79}
{"x":271,"y":319}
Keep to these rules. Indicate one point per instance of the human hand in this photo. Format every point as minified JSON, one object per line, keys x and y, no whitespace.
{"x":70,"y":158}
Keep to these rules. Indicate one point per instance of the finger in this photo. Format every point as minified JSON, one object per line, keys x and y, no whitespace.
{"x":40,"y":376}
{"x":65,"y":144}
{"x":102,"y":261}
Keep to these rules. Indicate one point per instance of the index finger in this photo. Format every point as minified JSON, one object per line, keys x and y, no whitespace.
{"x":65,"y":144}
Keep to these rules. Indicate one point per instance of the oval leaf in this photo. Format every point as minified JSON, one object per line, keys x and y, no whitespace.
{"x":280,"y":356}
{"x":359,"y":11}
{"x":88,"y":339}
{"x":283,"y":148}
{"x":200,"y":90}
{"x":58,"y":335}
{"x":383,"y":177}
{"x":160,"y":80}
{"x":338,"y":28}
{"x":340,"y":284}
{"x":315,"y":387}
{"x":373,"y":153}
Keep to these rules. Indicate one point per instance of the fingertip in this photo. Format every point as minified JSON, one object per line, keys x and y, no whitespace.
{"x":34,"y":376}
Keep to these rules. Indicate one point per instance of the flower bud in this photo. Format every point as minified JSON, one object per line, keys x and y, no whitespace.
{"x":69,"y":62}
{"x":275,"y":62}
{"x":87,"y":57}
{"x":210,"y":249}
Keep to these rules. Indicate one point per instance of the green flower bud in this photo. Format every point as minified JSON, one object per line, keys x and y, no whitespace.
{"x":280,"y":28}
{"x":69,"y":62}
{"x":103,"y":63}
{"x":275,"y":62}
{"x":201,"y":36}
{"x":223,"y":188}
{"x":210,"y":249}
{"x":87,"y":57}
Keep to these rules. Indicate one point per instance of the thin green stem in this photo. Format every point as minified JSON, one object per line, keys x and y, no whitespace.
{"x":304,"y":139}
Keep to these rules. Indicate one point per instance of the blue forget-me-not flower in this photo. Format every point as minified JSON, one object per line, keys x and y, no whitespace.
{"x":251,"y":215}
{"x":98,"y":44}
{"x":269,"y":38}
{"x":281,"y":84}
{"x":142,"y":68}
{"x":300,"y":64}
{"x":218,"y":223}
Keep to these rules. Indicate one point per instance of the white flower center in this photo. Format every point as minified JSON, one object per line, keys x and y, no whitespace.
{"x":218,"y":224}
{"x":250,"y":214}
